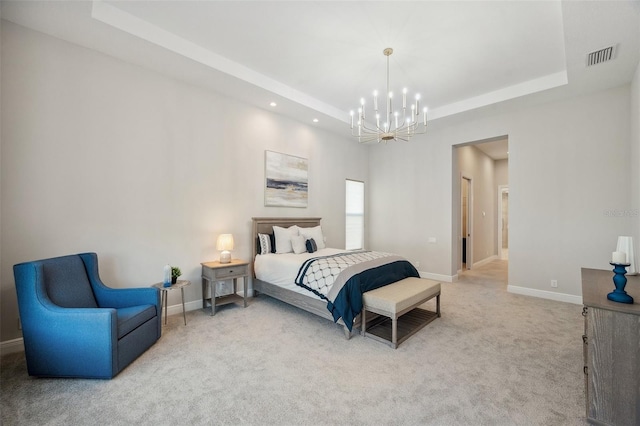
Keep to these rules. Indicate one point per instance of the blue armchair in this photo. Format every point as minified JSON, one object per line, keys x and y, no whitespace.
{"x":75,"y":326}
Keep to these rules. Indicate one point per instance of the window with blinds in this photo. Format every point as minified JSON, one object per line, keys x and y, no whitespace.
{"x":354,"y":232}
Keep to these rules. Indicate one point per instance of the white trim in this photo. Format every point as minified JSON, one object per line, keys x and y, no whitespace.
{"x":194,"y":305}
{"x":124,"y":21}
{"x":11,"y":346}
{"x":546,"y":82}
{"x":501,"y":189}
{"x":439,"y":277}
{"x":469,"y":237}
{"x":188,"y":306}
{"x":543,"y":294}
{"x":485,"y":261}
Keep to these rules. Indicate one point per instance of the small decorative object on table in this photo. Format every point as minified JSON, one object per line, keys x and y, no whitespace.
{"x":620,"y":281}
{"x":175,"y":273}
{"x":166,"y":281}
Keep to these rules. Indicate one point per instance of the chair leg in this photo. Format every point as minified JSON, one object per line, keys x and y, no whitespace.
{"x":164,"y":300}
{"x":184,"y":314}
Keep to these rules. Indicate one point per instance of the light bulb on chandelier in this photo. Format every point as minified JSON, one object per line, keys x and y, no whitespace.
{"x":392,"y":128}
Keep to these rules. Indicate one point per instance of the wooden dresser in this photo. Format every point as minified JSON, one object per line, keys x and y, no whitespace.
{"x":611,"y":350}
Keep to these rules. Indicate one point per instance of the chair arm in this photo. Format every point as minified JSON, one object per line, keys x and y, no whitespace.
{"x":108,"y":297}
{"x":73,"y":342}
{"x":125,"y":297}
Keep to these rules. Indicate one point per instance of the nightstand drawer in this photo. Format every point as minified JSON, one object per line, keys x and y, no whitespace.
{"x":224,"y":273}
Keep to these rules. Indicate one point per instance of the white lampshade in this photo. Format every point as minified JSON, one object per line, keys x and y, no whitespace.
{"x":625,"y":245}
{"x":224,"y":244}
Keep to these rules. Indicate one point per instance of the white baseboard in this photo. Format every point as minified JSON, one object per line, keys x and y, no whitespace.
{"x":543,"y":294}
{"x":485,"y":261}
{"x":188,"y":306}
{"x":438,"y":277}
{"x":11,"y":346}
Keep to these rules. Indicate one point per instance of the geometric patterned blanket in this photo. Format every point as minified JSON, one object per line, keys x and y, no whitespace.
{"x":326,"y":275}
{"x":341,"y":279}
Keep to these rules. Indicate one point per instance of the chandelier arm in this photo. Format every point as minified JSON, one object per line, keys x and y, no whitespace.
{"x":390,"y":129}
{"x":370,"y":129}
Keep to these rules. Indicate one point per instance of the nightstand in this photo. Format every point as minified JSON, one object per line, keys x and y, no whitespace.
{"x":213,"y":272}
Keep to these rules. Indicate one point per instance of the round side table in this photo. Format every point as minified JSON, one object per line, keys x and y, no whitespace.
{"x":181,"y":284}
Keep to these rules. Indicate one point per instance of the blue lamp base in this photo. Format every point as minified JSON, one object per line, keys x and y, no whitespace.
{"x":620,"y":281}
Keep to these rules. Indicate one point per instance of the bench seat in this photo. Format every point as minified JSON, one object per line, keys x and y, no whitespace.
{"x":396,"y":300}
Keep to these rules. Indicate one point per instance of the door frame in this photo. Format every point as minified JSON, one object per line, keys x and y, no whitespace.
{"x":469,"y":237}
{"x":501,"y":189}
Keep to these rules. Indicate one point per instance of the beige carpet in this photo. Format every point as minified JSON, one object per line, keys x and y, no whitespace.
{"x":494,"y":358}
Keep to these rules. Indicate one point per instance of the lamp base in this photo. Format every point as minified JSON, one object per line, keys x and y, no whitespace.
{"x":225,"y":257}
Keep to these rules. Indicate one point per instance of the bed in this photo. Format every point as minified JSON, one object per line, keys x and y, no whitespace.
{"x":288,"y":292}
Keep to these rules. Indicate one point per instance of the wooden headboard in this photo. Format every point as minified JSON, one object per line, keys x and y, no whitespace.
{"x":264,"y":225}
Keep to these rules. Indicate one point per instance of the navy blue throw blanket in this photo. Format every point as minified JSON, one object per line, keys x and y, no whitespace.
{"x":347,"y":298}
{"x":348,"y":303}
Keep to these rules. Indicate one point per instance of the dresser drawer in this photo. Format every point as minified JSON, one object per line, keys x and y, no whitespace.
{"x":225,"y":272}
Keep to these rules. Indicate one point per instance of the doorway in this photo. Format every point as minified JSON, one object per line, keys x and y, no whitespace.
{"x":503,"y":222}
{"x":466,"y":206}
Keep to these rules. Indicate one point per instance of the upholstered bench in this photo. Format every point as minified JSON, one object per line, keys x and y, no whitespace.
{"x":398,"y":303}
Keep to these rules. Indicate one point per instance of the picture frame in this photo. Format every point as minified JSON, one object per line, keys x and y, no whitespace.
{"x":286,"y":180}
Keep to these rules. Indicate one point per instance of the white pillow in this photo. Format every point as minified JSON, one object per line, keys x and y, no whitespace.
{"x":283,"y":238}
{"x":298,"y":242}
{"x":315,"y":233}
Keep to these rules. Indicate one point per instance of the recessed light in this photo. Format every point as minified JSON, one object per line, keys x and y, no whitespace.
{"x":315,"y":120}
{"x":273,"y":104}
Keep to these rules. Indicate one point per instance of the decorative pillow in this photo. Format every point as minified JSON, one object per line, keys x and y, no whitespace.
{"x":311,"y":246}
{"x":283,"y":238}
{"x":273,"y":242}
{"x":315,"y":233}
{"x":298,"y":244}
{"x":265,"y":244}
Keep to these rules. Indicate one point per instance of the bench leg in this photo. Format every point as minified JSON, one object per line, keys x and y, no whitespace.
{"x":438,"y":305}
{"x":394,"y":332}
{"x":363,"y":322}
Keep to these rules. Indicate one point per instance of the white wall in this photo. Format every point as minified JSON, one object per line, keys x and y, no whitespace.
{"x":566,"y":168}
{"x":501,"y":170}
{"x":635,"y":160}
{"x":100,"y":155}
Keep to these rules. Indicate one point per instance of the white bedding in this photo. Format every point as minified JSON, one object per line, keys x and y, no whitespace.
{"x":281,"y":269}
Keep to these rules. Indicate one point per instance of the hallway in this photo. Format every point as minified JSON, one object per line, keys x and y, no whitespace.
{"x":492,"y":274}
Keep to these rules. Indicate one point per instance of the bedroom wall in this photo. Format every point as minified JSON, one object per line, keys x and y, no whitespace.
{"x":565,"y":170}
{"x":101,"y":155}
{"x":635,"y":159}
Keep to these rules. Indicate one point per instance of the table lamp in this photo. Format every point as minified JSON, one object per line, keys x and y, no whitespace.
{"x":225,"y":243}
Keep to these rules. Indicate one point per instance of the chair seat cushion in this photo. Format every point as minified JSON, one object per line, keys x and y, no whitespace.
{"x":132,"y":317}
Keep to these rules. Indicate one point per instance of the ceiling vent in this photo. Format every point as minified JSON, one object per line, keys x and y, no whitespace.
{"x":600,"y":56}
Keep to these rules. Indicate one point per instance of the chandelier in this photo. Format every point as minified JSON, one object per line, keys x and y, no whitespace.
{"x":389,"y":125}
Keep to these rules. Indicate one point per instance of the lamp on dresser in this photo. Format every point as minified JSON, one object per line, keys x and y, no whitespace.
{"x":225,"y":244}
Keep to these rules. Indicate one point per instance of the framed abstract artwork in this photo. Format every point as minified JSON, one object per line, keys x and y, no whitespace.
{"x":286,"y":180}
